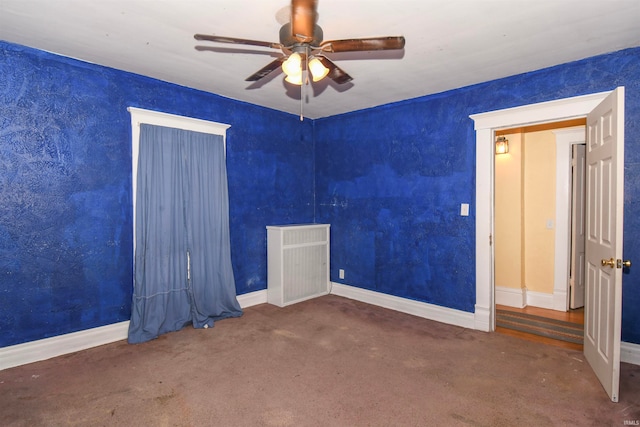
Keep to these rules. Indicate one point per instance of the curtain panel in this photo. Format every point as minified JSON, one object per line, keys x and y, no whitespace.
{"x":183,"y":273}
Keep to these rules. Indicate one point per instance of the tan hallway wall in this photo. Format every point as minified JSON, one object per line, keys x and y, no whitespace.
{"x":525,"y":212}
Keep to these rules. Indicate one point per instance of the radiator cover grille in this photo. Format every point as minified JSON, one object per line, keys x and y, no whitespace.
{"x":298,"y":263}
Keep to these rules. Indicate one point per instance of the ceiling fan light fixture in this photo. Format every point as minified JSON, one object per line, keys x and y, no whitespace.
{"x":318,"y":70}
{"x":293,"y":65}
{"x":300,"y":38}
{"x":294,"y":79}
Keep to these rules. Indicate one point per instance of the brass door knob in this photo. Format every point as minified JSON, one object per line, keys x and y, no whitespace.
{"x":626,"y":263}
{"x":610,"y":262}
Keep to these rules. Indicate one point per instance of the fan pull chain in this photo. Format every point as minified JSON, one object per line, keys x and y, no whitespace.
{"x":305,"y":82}
{"x":302,"y":92}
{"x":301,"y":103}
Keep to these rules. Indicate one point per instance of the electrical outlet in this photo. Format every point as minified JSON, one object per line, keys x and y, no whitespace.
{"x":341,"y":273}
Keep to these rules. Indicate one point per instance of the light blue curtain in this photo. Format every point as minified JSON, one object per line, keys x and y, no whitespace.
{"x":183,"y":270}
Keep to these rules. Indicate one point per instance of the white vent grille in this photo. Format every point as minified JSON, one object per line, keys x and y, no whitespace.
{"x":296,"y":236}
{"x":298,"y":263}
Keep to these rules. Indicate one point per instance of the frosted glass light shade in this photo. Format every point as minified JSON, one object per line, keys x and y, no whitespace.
{"x":318,"y":71}
{"x":502,"y":145}
{"x":293,"y":64}
{"x":295,"y":79}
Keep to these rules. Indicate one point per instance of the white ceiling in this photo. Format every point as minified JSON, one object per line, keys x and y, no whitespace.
{"x":449,"y":43}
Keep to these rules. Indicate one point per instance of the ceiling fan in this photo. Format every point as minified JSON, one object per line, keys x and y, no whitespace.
{"x":303,"y":48}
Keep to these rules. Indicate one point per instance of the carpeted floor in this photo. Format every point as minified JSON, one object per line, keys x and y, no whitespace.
{"x":324,"y":362}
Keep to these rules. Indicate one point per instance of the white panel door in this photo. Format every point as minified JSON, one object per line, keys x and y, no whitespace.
{"x":604,"y":216}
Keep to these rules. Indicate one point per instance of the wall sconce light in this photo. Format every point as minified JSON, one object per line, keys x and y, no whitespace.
{"x":502,"y":145}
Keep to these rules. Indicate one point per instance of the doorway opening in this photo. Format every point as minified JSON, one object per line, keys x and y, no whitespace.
{"x":536,"y":216}
{"x":486,"y":124}
{"x":604,"y":218}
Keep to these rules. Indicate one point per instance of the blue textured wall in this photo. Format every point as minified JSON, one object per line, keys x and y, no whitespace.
{"x":390,"y":181}
{"x":65,"y":187}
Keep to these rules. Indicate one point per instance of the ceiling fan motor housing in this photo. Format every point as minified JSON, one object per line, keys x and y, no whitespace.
{"x":287,"y":39}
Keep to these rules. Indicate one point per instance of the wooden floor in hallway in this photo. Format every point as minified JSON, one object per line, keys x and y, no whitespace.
{"x":575,"y":316}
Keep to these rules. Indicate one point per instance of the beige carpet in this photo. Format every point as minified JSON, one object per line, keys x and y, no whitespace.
{"x":325,"y":362}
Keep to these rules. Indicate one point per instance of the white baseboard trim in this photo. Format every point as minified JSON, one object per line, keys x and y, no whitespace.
{"x":560,"y":301}
{"x":511,"y":297}
{"x":421,"y":309}
{"x":35,"y":351}
{"x":482,"y":319}
{"x":46,"y":348}
{"x":630,"y":353}
{"x":540,"y":299}
{"x":252,"y":298}
{"x":520,"y":298}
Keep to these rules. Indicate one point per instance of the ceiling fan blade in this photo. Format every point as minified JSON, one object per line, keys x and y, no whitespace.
{"x":368,"y":44}
{"x":236,"y":50}
{"x":233,"y":40}
{"x":266,"y":70}
{"x":303,"y":19}
{"x":335,"y":73}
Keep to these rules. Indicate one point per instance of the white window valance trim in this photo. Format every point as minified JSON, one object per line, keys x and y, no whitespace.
{"x":139,"y":115}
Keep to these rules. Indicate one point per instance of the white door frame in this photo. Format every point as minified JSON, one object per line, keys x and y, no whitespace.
{"x":486,"y":125}
{"x":565,"y":139}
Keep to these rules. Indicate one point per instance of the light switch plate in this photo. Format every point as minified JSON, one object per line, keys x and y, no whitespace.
{"x":464,"y":209}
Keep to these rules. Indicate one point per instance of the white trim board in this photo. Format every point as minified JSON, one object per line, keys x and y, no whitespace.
{"x":540,"y":299}
{"x":565,"y":139}
{"x":629,"y":352}
{"x":47,"y":348}
{"x":520,"y":298}
{"x":421,"y":309}
{"x":34,"y":351}
{"x":511,"y":297}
